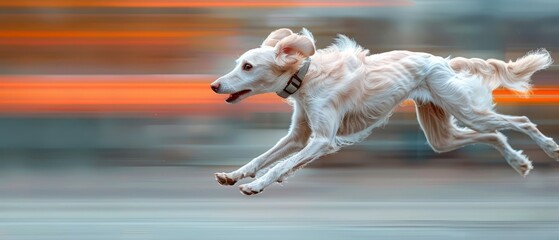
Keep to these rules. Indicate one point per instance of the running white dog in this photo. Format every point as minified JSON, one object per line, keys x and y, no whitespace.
{"x":339,"y":94}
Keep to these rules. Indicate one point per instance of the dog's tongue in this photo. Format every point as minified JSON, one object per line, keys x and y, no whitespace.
{"x":236,"y":95}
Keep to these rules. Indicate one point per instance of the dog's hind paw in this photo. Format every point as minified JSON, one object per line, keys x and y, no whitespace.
{"x":223,"y":179}
{"x":246,"y":189}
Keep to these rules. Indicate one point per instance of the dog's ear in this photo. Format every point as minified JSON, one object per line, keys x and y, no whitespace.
{"x":276,"y":36}
{"x":293,"y":49}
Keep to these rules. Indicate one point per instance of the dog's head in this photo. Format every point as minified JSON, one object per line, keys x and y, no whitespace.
{"x":260,"y":70}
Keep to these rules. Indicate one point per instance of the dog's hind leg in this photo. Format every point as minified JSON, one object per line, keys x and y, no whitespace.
{"x":487,"y":120}
{"x":467,"y":99}
{"x":295,"y":140}
{"x":524,"y":125}
{"x":443,"y":136}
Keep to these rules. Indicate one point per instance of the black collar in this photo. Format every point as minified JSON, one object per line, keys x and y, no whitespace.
{"x":295,"y":81}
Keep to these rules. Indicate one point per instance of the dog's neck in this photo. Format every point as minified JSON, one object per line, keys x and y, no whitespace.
{"x":295,"y":81}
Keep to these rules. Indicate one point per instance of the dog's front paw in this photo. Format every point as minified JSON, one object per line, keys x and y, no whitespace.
{"x":552,"y":149}
{"x":247,"y":189}
{"x":225,"y":180}
{"x":525,"y":168}
{"x":520,"y":163}
{"x":554,"y":154}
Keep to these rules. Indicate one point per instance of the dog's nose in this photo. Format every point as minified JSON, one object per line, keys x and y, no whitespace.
{"x":215,"y":87}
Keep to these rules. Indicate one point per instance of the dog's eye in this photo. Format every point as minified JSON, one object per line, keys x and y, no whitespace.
{"x":247,"y":67}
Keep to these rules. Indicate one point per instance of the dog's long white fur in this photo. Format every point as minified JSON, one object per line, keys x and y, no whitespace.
{"x":347,"y":92}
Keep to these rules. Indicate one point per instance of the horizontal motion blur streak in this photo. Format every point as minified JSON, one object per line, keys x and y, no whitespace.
{"x":202,"y":4}
{"x":154,"y":93}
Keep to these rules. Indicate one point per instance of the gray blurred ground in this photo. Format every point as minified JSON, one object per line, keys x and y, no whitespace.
{"x":70,"y":176}
{"x":184,"y":202}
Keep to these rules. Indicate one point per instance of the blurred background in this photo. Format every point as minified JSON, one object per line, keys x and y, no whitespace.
{"x":109,"y":130}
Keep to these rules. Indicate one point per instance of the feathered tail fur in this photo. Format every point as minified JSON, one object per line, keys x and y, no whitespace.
{"x":512,"y":75}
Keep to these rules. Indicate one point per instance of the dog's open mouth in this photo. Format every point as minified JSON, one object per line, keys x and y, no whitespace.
{"x":236,"y":95}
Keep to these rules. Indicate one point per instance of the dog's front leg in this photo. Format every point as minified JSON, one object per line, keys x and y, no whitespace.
{"x":316,"y":148}
{"x":283,"y":148}
{"x":324,"y":125}
{"x":295,"y":140}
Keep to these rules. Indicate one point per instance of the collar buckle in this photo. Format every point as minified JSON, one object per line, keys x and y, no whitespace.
{"x":295,"y":81}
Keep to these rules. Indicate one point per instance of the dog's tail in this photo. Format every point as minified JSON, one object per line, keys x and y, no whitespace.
{"x":512,"y":75}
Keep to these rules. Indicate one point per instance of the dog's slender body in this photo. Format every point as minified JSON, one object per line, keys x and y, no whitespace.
{"x":347,"y":93}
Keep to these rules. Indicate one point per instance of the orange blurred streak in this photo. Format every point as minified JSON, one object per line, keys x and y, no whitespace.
{"x":109,"y":34}
{"x":148,"y":94}
{"x":202,"y":4}
{"x":158,"y":93}
{"x":86,"y":42}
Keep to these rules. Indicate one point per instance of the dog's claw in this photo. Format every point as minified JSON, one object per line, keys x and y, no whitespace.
{"x":223,"y":179}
